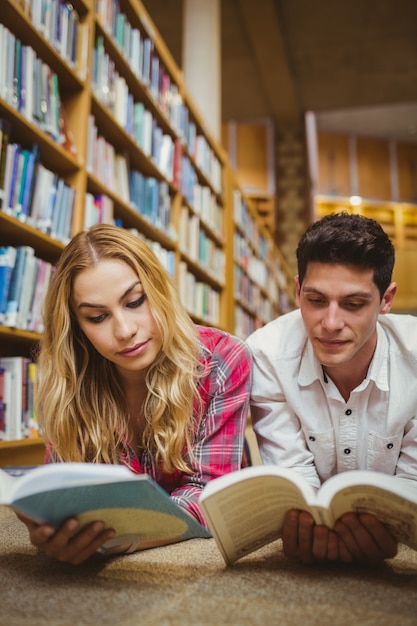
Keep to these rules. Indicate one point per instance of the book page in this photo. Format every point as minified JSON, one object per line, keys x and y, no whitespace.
{"x":395,"y":509}
{"x":249,"y":513}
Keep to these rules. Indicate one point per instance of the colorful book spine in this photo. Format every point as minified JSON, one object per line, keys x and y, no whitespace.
{"x":15,"y":287}
{"x":7,"y":263}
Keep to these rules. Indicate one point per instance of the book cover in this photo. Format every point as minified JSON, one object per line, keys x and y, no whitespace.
{"x":133,"y":504}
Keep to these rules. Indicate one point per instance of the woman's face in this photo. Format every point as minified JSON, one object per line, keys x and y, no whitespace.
{"x":114,"y":313}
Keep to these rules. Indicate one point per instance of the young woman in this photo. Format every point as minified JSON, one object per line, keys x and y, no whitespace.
{"x":126,"y":377}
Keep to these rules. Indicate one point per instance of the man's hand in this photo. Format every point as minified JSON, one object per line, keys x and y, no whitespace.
{"x":365,"y":538}
{"x":68,"y":543}
{"x":355,"y":538}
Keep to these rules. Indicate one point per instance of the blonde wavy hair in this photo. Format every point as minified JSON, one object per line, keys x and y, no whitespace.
{"x":81,"y":404}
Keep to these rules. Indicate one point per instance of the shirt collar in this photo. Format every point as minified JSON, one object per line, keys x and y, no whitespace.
{"x":311,"y":369}
{"x":378,"y":368}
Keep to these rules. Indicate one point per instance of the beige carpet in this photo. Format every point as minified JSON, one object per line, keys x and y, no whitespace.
{"x":188,"y":584}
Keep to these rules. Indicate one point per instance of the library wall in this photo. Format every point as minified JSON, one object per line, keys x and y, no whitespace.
{"x":333,"y":164}
{"x":250,"y":147}
{"x":373,"y":168}
{"x":376,"y":178}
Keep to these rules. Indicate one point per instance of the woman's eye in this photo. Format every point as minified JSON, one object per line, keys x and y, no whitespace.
{"x":137,"y":303}
{"x":97,"y":319}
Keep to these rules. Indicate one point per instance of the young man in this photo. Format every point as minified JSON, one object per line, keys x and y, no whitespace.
{"x":335,"y":382}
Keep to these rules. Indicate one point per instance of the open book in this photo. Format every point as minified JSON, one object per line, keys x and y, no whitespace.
{"x":133,"y":504}
{"x":245,"y":509}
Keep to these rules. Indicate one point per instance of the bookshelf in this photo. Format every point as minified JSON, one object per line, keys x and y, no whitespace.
{"x":126,"y":144}
{"x":263,"y":284}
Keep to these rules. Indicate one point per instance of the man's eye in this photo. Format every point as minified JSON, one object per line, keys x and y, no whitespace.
{"x":316,"y":300}
{"x":137,"y":303}
{"x":353,"y":305}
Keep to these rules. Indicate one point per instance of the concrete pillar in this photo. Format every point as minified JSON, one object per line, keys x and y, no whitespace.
{"x":201,"y":59}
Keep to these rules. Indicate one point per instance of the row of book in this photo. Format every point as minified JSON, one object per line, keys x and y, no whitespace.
{"x":139,"y":51}
{"x":247,"y":223}
{"x":253,"y":266}
{"x":31,"y":192}
{"x":98,"y":209}
{"x":113,"y":168}
{"x":206,"y":205}
{"x":199,"y":298}
{"x":24,"y":279}
{"x":200,"y":247}
{"x":140,"y":54}
{"x":166,"y":257}
{"x":59,"y":22}
{"x":113,"y":91}
{"x":18,"y":387}
{"x":30,"y":86}
{"x":251,"y":292}
{"x":246,"y":323}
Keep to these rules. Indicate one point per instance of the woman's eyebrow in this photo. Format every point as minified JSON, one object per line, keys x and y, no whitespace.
{"x":103,"y":306}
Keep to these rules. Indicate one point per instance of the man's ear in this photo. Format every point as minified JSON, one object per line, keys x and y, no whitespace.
{"x":388,"y":298}
{"x":297,"y":289}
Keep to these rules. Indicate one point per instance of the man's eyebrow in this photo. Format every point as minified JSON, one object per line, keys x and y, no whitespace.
{"x":355,"y":294}
{"x":103,"y":306}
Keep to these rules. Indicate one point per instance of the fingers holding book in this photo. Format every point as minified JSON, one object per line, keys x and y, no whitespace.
{"x":68,"y":543}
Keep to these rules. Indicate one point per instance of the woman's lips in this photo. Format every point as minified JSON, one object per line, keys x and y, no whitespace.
{"x":134,"y":350}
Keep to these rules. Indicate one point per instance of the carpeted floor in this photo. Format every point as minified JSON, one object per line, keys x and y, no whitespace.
{"x":188,"y":584}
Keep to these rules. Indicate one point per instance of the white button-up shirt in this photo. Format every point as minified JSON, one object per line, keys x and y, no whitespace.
{"x":302,"y":421}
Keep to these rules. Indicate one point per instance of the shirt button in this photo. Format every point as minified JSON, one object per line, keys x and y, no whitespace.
{"x":348,"y":412}
{"x":312,"y":438}
{"x":390,"y":446}
{"x":347,"y":450}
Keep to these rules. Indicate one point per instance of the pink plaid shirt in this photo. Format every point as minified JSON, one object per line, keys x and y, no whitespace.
{"x":219,"y":432}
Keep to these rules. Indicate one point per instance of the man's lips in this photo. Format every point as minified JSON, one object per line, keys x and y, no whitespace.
{"x":331,"y":343}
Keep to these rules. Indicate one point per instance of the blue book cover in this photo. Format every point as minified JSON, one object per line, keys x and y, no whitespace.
{"x":133,"y":504}
{"x":15,"y":287}
{"x":30,"y":181}
{"x":7,"y":262}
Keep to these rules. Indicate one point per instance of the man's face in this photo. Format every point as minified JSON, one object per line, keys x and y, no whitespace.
{"x":340,"y":305}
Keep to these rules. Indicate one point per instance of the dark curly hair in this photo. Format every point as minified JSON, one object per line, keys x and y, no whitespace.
{"x":347,"y":239}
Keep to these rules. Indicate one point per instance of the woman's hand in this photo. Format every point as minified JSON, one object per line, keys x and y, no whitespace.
{"x":70,"y":544}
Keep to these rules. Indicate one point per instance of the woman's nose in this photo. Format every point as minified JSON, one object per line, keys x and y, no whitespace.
{"x":124,"y":326}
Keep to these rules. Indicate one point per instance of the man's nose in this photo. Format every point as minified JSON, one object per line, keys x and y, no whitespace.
{"x":332,"y":318}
